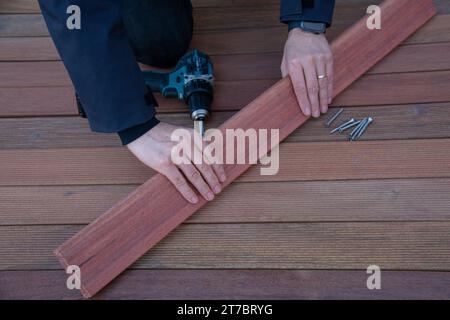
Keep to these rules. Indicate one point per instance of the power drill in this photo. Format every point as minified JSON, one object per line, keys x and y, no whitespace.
{"x":192,"y":80}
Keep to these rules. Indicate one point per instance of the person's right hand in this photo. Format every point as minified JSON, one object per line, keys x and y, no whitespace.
{"x":154,"y":150}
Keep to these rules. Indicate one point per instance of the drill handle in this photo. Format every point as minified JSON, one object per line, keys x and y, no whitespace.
{"x":156,"y":81}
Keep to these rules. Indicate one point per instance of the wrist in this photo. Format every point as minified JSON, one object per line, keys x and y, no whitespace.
{"x":308,"y":26}
{"x":297,"y":32}
{"x":131,"y":134}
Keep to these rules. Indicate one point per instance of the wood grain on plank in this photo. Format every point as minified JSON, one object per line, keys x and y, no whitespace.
{"x":372,"y":89}
{"x":32,"y":101}
{"x":272,"y":39}
{"x":406,"y":58}
{"x":414,"y":121}
{"x":20,"y":25}
{"x":19,"y":6}
{"x":205,"y":18}
{"x":31,"y":6}
{"x":338,"y":160}
{"x":352,"y":245}
{"x":363,"y":200}
{"x":267,"y":40}
{"x":234,"y":284}
{"x":398,"y":88}
{"x":109,"y":245}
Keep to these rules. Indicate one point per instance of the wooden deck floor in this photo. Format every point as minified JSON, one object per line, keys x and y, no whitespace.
{"x":310,"y":232}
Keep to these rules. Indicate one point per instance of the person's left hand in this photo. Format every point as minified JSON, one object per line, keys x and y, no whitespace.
{"x":308,"y":60}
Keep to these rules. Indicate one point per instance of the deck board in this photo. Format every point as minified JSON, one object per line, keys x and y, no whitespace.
{"x":234,"y":284}
{"x":246,"y":41}
{"x":340,"y":201}
{"x":325,"y":245}
{"x":423,"y":158}
{"x":393,"y":122}
{"x":372,"y":89}
{"x":388,"y":204}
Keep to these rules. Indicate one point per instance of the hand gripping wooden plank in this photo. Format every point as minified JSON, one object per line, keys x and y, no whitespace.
{"x":115,"y":240}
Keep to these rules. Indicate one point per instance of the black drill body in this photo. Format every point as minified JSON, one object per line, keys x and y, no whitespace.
{"x":192,"y":81}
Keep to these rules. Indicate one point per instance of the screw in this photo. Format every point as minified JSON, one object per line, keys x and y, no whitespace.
{"x":351,"y":125}
{"x":334,"y":117}
{"x":343,"y":125}
{"x":363,"y":129}
{"x":355,"y":131}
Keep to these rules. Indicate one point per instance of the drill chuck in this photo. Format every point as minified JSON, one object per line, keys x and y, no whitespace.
{"x":199,"y":96}
{"x":192,"y":80}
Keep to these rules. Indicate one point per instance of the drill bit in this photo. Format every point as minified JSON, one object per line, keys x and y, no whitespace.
{"x":200,"y":124}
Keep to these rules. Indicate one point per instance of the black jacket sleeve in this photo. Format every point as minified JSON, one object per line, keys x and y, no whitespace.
{"x":102,"y":66}
{"x":307,"y":10}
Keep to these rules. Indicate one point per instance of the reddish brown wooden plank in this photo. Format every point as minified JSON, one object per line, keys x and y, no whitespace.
{"x":362,"y":160}
{"x":234,"y":284}
{"x":110,"y":244}
{"x":343,"y":245}
{"x":362,"y":200}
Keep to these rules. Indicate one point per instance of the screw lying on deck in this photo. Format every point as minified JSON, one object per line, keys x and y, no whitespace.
{"x":350,"y":125}
{"x":345,"y":124}
{"x":358,"y":132}
{"x":334,"y":117}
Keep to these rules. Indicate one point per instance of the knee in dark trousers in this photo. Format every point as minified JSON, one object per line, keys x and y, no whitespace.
{"x":159,"y":31}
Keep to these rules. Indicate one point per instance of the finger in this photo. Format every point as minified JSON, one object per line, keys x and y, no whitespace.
{"x":194,"y":176}
{"x":217,"y":167}
{"x":299,"y":84}
{"x":220,"y":172}
{"x":330,"y":75}
{"x":180,"y":183}
{"x":208,"y":174}
{"x":323,"y":86}
{"x":312,"y":85}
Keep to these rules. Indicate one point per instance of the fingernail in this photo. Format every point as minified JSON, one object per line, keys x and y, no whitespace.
{"x":209,"y":196}
{"x":217,"y":189}
{"x":194,"y":199}
{"x":307,"y":112}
